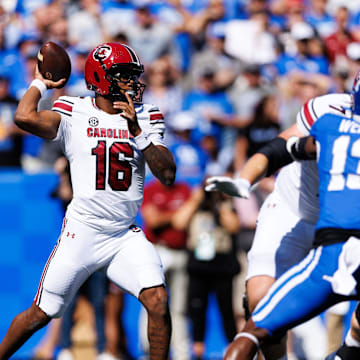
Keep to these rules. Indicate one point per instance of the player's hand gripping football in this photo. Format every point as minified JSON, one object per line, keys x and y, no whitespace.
{"x":49,"y":83}
{"x":233,"y":187}
{"x":128,"y":112}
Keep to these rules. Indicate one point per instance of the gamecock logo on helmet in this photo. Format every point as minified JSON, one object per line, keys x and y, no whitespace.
{"x":102,"y":52}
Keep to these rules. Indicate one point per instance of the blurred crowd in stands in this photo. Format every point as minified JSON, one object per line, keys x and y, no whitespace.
{"x":228,"y":75}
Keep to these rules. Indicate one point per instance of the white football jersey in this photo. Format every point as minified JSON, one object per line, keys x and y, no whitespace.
{"x":298,"y":182}
{"x":107,"y":168}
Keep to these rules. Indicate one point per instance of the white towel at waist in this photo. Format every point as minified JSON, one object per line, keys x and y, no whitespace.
{"x":343,"y":282}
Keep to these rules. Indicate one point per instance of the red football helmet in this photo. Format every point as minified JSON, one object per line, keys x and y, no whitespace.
{"x":111,"y":63}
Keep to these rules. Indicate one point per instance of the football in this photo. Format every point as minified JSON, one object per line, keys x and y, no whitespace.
{"x":54,"y":62}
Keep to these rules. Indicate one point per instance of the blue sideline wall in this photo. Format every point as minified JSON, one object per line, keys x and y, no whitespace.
{"x":30,"y":222}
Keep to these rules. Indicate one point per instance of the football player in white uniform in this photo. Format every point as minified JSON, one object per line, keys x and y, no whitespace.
{"x":286,"y":222}
{"x":107,"y":140}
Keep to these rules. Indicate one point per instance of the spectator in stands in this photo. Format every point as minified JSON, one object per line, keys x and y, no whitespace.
{"x":162,"y":87}
{"x":63,"y":191}
{"x":120,"y":37}
{"x":291,"y":10}
{"x":214,"y":164}
{"x":317,"y":16}
{"x":84,"y":28}
{"x":22,"y":68}
{"x":11,"y":137}
{"x":302,"y":33}
{"x":257,"y":42}
{"x":191,"y":32}
{"x":47,"y":20}
{"x":263,"y":128}
{"x":9,"y":36}
{"x":58,"y":32}
{"x":246,"y":92}
{"x":190,"y":158}
{"x":340,"y":76}
{"x":213,"y":55}
{"x":95,"y":289}
{"x":353,"y":54}
{"x":117,"y":345}
{"x":196,"y":21}
{"x":45,"y":349}
{"x":116,"y":16}
{"x":26,"y":8}
{"x":116,"y":342}
{"x":336,"y":43}
{"x":76,"y":85}
{"x":150,"y":38}
{"x":160,"y":205}
{"x":295,"y":89}
{"x":207,"y":102}
{"x":211,"y":222}
{"x":32,"y":145}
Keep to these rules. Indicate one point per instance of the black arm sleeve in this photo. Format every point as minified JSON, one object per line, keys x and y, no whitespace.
{"x":277,"y":155}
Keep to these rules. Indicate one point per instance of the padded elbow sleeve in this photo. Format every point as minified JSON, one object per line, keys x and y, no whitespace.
{"x":277,"y":155}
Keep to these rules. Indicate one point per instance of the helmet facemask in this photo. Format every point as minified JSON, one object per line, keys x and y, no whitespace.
{"x":124,"y":73}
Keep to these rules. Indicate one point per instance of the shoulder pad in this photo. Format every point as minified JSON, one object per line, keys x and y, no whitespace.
{"x":64,"y":105}
{"x":312,"y":110}
{"x":151,"y":113}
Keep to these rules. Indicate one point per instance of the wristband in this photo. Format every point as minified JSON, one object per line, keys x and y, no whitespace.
{"x":243,"y":182}
{"x":141,"y":141}
{"x":39,"y":85}
{"x":251,"y":337}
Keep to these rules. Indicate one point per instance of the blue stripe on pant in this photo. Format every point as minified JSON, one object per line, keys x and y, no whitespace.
{"x":300,"y":293}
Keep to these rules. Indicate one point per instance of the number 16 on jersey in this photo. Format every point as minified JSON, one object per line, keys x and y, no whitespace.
{"x":117,"y":160}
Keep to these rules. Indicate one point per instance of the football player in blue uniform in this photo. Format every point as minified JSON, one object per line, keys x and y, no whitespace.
{"x":331,"y":272}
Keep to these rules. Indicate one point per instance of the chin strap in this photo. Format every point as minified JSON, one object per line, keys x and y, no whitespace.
{"x":250,"y":336}
{"x":114,"y":96}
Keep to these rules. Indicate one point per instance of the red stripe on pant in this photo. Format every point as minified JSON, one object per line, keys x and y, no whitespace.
{"x":37,"y":297}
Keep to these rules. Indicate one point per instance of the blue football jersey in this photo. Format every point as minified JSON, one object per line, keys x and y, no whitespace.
{"x":338,"y":159}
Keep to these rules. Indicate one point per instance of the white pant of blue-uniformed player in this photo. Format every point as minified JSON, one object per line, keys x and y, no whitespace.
{"x":282,"y":239}
{"x":328,"y":275}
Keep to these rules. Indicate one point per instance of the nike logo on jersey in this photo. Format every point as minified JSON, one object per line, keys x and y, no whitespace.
{"x":340,"y":109}
{"x":108,"y":133}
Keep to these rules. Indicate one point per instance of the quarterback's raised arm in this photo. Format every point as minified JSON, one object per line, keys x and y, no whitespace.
{"x":158,"y":157}
{"x":44,"y":123}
